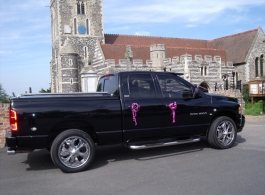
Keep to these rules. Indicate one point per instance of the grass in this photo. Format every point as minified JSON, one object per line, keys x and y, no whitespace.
{"x":255,"y":110}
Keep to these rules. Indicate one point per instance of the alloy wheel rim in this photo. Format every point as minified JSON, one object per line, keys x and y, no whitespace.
{"x":225,"y":133}
{"x":74,"y":152}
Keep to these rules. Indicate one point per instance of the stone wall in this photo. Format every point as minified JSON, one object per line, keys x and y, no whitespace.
{"x":4,"y":122}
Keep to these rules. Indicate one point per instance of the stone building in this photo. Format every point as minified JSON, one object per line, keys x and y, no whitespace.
{"x":81,"y":52}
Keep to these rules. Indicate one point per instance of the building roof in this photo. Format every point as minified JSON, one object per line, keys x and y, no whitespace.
{"x":68,"y":48}
{"x":117,"y":52}
{"x":232,"y":48}
{"x":148,"y":40}
{"x":236,"y":46}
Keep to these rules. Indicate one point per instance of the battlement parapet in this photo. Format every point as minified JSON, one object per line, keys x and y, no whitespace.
{"x":158,"y":47}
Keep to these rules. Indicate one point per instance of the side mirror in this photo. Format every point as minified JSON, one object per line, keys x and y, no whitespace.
{"x":196,"y":91}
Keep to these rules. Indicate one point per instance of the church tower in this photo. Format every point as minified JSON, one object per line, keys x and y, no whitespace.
{"x":77,"y":31}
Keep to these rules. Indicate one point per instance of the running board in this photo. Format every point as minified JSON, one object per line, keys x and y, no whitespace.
{"x":162,"y":144}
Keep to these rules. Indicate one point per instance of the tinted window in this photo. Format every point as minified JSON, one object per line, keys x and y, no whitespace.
{"x":108,"y":84}
{"x":139,"y":86}
{"x":173,"y":87}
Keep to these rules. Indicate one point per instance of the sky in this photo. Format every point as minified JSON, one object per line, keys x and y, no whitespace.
{"x":25,"y":30}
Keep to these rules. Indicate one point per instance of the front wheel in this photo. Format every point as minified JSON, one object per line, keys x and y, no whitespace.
{"x":73,"y":151}
{"x":222,"y":133}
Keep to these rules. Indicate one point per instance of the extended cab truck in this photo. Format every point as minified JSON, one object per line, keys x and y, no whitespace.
{"x":138,"y":109}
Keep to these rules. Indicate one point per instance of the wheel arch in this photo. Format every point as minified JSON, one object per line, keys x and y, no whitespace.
{"x":229,"y":114}
{"x":78,"y":124}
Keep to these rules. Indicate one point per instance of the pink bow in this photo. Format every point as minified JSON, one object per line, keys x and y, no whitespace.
{"x":173,"y":106}
{"x":135,"y":108}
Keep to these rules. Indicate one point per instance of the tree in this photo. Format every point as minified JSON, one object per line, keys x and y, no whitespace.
{"x":45,"y":91}
{"x":3,"y":96}
{"x":245,"y":94}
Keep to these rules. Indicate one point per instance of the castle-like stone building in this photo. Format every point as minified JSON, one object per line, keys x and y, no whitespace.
{"x":81,"y":52}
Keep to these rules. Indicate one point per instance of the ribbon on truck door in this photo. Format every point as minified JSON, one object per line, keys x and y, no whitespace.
{"x":135,"y":108}
{"x":173,"y":106}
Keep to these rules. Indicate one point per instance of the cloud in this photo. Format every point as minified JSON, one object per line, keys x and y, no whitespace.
{"x":142,"y":33}
{"x":168,"y":11}
{"x":191,"y":25}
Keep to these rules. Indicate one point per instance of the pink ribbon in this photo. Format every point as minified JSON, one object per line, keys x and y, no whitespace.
{"x":135,"y":108}
{"x":173,"y":107}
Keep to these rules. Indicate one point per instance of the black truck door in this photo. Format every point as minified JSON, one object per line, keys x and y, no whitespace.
{"x":183,"y":114}
{"x":142,"y":108}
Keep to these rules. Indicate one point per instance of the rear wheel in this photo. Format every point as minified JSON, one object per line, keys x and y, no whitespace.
{"x":73,"y":151}
{"x":222,"y":133}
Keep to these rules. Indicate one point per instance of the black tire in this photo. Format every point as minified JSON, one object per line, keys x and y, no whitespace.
{"x":73,"y":151}
{"x":223,"y":133}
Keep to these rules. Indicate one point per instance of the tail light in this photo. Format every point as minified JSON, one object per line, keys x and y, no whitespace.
{"x":13,"y":120}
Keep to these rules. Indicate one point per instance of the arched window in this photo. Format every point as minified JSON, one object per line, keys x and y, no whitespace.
{"x":201,"y":71}
{"x":78,"y":8}
{"x":70,"y":62}
{"x":87,"y":26}
{"x":261,"y":66}
{"x":257,"y":67}
{"x":82,"y":8}
{"x":85,"y":52}
{"x":205,"y":70}
{"x":75,"y":29}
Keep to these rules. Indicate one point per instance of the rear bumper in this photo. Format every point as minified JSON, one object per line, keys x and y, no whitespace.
{"x":240,"y":122}
{"x":10,"y":141}
{"x":18,"y":144}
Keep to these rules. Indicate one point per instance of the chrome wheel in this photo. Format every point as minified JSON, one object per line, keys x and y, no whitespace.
{"x":222,"y":133}
{"x":74,"y":152}
{"x":225,"y":133}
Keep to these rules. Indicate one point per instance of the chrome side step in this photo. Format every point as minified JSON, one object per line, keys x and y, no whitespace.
{"x":11,"y":151}
{"x":162,"y":144}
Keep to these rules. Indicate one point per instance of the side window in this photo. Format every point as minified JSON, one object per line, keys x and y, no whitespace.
{"x":108,"y":84}
{"x":139,"y":86}
{"x":172,"y":87}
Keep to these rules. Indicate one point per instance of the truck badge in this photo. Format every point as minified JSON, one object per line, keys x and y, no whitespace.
{"x":173,"y":107}
{"x":135,"y":108}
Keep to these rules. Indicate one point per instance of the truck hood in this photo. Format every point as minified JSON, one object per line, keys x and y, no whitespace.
{"x":222,"y":97}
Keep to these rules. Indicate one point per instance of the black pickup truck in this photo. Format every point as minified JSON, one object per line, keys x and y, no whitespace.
{"x":138,"y":109}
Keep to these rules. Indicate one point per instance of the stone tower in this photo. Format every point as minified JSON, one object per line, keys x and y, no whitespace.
{"x":77,"y":31}
{"x":158,"y":55}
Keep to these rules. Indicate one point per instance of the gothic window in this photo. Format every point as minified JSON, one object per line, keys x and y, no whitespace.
{"x":205,"y":70}
{"x":85,"y":52}
{"x":201,"y":71}
{"x":87,"y":26}
{"x":257,"y":67}
{"x":261,"y":66}
{"x":70,"y":62}
{"x":75,"y":29}
{"x":80,"y":8}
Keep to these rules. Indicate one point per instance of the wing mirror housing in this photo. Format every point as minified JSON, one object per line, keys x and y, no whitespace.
{"x":196,"y":91}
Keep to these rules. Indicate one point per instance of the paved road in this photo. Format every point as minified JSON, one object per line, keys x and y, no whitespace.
{"x":184,"y":169}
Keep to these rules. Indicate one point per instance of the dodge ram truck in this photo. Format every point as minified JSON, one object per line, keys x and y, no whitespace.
{"x":139,"y":109}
